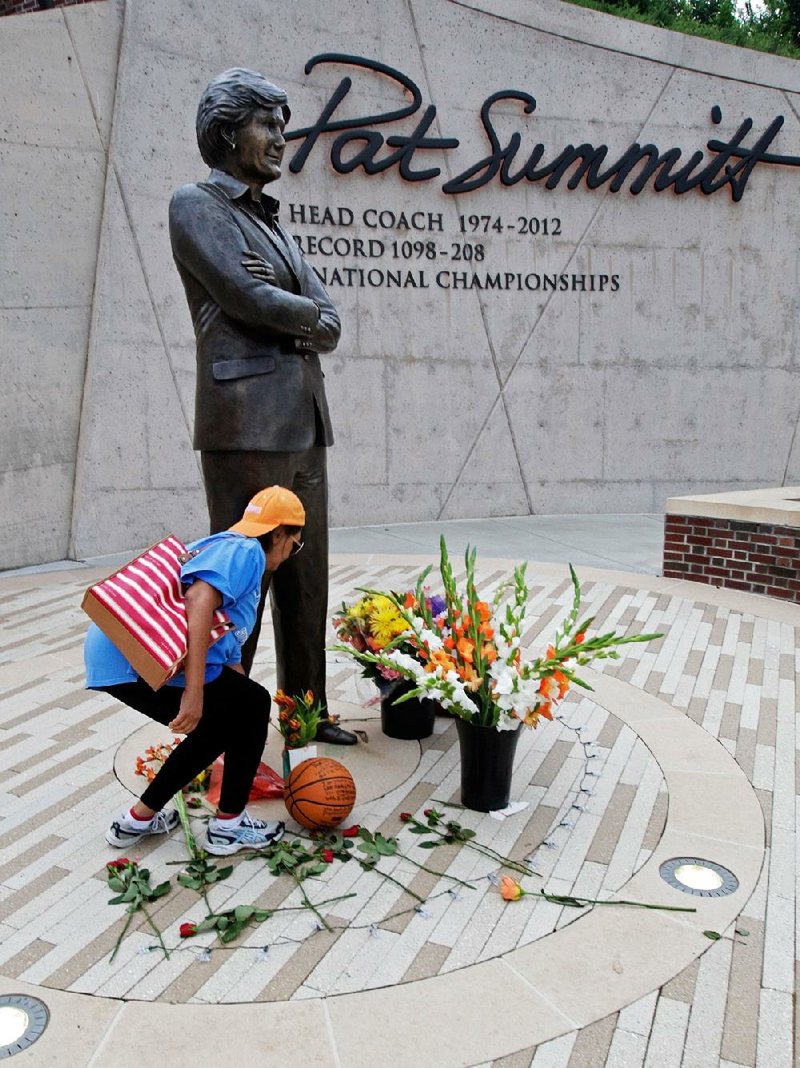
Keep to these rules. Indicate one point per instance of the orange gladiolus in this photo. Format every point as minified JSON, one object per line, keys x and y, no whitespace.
{"x":439,"y":659}
{"x":465,"y":650}
{"x":486,"y":631}
{"x":553,"y":687}
{"x":490,"y":655}
{"x":409,"y":601}
{"x":469,"y":676}
{"x":282,"y":700}
{"x":449,"y":643}
{"x":510,"y":889}
{"x":483,"y":610}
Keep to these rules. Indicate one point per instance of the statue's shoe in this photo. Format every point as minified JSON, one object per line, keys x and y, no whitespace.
{"x":333,"y":735}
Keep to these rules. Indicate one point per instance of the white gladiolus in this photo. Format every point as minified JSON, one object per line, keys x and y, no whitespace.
{"x":508,"y":723}
{"x":504,"y":679}
{"x":432,"y":640}
{"x":403,"y":660}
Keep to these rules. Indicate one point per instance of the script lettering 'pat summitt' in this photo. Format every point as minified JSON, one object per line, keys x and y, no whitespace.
{"x":359,"y":144}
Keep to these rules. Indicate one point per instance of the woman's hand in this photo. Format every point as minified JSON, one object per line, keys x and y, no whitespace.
{"x":189,"y":713}
{"x":258,"y":267}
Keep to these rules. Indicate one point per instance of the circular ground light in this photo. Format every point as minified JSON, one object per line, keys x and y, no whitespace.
{"x":22,"y":1021}
{"x":702,"y":878}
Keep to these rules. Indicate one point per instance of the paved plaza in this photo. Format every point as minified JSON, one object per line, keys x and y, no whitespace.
{"x":684,"y":748}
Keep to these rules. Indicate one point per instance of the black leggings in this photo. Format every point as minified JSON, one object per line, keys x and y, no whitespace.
{"x":234,"y":722}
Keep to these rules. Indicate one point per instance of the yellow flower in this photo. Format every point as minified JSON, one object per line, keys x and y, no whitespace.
{"x":361,"y":609}
{"x":386,"y":622}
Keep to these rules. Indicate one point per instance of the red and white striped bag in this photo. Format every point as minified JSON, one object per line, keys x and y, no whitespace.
{"x":141,"y":609}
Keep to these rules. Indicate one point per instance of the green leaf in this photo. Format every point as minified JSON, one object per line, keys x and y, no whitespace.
{"x":231,"y":933}
{"x":162,"y":888}
{"x":208,"y":924}
{"x":115,"y":883}
{"x":713,"y":935}
{"x":428,"y":845}
{"x":188,"y":881}
{"x":131,"y":893}
{"x":243,"y":912}
{"x":261,"y":914}
{"x":742,"y":932}
{"x":223,"y":922}
{"x":387,"y":847}
{"x":116,"y":900}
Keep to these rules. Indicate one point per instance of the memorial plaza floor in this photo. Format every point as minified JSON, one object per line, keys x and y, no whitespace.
{"x":685,"y":748}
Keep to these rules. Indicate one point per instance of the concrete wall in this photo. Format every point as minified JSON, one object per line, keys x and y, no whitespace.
{"x":57,"y":79}
{"x":446,"y":402}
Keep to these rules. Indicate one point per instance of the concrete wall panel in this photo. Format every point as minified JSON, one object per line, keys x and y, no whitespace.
{"x":57,"y":83}
{"x":446,"y":401}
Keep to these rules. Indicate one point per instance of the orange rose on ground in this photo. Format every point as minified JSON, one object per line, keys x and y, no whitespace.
{"x":510,"y":890}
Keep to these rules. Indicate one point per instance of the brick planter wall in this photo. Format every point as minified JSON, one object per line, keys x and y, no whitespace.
{"x":757,"y":557}
{"x":23,"y":7}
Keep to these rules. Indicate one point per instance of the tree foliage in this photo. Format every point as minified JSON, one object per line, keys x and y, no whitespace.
{"x":768,"y":26}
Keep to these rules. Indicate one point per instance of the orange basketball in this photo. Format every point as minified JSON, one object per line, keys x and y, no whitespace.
{"x":319,"y":793}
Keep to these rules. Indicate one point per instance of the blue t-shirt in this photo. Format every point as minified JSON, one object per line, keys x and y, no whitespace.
{"x":234,"y":565}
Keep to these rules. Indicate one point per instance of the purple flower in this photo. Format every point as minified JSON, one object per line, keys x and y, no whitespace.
{"x":437,"y":605}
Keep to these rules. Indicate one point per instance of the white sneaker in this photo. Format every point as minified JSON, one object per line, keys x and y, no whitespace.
{"x":124,"y":832}
{"x":249,"y":834}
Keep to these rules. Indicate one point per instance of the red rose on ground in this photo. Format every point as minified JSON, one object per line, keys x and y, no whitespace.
{"x":115,"y":865}
{"x":186,"y":930}
{"x":405,"y":816}
{"x":327,"y":856}
{"x":351,"y":832}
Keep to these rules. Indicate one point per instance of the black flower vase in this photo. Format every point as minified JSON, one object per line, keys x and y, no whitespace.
{"x":487,"y":762}
{"x":413,"y":719}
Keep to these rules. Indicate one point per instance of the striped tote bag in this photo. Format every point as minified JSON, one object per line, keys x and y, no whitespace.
{"x":141,"y":609}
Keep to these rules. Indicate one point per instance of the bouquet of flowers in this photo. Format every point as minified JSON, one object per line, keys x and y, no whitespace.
{"x":298,"y":718}
{"x":377,"y":622}
{"x":155,"y":757}
{"x":468,"y":656}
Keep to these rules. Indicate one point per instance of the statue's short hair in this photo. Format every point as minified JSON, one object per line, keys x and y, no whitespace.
{"x":227,"y":103}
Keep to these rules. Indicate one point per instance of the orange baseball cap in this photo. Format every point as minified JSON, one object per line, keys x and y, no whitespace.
{"x":273,"y":507}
